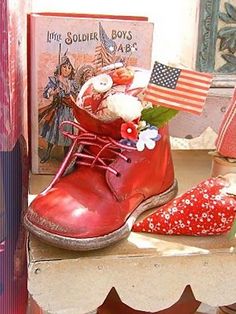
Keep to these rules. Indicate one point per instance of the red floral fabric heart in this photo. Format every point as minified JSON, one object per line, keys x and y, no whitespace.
{"x":206,"y":209}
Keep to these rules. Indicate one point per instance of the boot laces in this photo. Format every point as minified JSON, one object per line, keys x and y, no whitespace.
{"x":80,"y":151}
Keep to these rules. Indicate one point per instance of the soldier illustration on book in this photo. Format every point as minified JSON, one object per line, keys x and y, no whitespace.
{"x":61,"y":87}
{"x":84,"y":73}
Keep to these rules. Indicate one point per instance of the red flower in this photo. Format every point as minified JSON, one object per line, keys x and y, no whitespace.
{"x":129,"y":131}
{"x":122,"y":76}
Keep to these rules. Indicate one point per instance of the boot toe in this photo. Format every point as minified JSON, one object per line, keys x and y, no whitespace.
{"x":59,"y":213}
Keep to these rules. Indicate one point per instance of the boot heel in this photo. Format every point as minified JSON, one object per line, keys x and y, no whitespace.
{"x":161,"y":199}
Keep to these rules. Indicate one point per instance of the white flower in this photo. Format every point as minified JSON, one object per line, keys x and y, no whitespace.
{"x":146,"y":138}
{"x":151,"y":225}
{"x":125,"y":106}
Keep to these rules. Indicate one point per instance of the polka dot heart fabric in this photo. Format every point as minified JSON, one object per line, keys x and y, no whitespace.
{"x":204,"y":210}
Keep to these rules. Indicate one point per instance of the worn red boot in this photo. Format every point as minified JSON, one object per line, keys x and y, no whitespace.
{"x":104,"y":184}
{"x":207,"y":209}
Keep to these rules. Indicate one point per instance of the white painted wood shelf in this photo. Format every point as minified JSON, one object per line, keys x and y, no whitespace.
{"x":149,"y":272}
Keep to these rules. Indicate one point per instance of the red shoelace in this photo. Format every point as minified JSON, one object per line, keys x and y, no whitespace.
{"x":78,"y":150}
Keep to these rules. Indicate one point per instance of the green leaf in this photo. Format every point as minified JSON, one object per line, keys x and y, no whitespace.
{"x":158,"y":116}
{"x":227,"y":31}
{"x":231,"y":10}
{"x":227,"y":68}
{"x":229,"y":58}
{"x":224,"y":43}
{"x":232,"y":233}
{"x":228,"y":43}
{"x":232,"y":45}
{"x":227,"y":19}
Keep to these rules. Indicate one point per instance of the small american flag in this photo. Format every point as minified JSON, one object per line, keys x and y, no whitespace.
{"x":108,"y":43}
{"x":105,"y":52}
{"x":179,"y":89}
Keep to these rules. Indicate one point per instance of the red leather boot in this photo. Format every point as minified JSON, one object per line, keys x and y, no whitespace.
{"x":102,"y":186}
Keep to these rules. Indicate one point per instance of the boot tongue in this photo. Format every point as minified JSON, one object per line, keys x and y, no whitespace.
{"x":94,"y":125}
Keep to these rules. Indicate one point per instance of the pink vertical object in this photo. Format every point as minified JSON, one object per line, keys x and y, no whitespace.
{"x":226,"y":140}
{"x":13,"y":76}
{"x":13,"y":156}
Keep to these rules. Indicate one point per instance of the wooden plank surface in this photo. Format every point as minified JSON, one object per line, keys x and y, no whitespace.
{"x":62,"y":281}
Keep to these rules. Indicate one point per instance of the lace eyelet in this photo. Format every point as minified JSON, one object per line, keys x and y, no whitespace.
{"x":118,"y":175}
{"x":128,"y":161}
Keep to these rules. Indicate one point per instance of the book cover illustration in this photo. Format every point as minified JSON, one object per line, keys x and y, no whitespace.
{"x":65,"y":52}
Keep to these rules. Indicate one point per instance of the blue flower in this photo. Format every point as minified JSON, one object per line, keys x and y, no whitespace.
{"x":148,"y":138}
{"x":127,"y":142}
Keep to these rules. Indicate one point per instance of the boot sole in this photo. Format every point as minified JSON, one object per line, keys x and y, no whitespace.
{"x":88,"y":244}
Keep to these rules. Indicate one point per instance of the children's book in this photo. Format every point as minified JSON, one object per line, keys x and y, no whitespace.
{"x":65,"y":51}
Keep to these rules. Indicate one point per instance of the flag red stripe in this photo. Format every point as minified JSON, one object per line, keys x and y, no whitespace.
{"x":188,"y":109}
{"x":102,"y":57}
{"x":206,"y":88}
{"x":181,"y":102}
{"x":106,"y":56}
{"x":186,"y":90}
{"x":204,"y":74}
{"x":159,"y":90}
{"x":181,"y":89}
{"x":195,"y":79}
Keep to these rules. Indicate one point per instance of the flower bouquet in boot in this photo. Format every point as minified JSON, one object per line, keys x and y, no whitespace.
{"x":207,"y":209}
{"x":119,"y":164}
